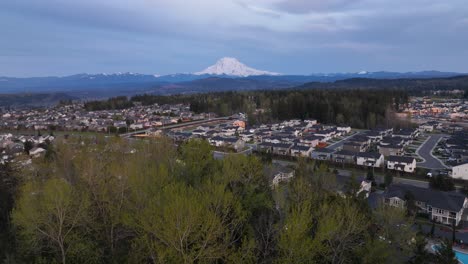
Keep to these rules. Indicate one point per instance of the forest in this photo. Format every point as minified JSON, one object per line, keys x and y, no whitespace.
{"x":108,"y":200}
{"x":357,"y":108}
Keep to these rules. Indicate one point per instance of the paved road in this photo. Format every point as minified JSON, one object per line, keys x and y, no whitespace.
{"x":425,"y":152}
{"x":198,"y":122}
{"x":340,"y":143}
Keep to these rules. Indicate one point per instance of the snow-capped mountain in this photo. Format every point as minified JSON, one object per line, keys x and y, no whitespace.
{"x":233,"y":67}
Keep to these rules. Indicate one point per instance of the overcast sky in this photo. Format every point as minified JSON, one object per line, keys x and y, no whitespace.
{"x":61,"y":37}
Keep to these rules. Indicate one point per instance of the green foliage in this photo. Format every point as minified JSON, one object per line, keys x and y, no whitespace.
{"x":442,"y":183}
{"x":420,"y":254}
{"x":358,"y":108}
{"x":370,"y":175}
{"x":108,"y":200}
{"x":445,"y":254}
{"x":119,"y":102}
{"x":388,"y":179}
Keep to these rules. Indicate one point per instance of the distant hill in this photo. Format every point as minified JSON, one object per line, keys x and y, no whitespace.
{"x":129,"y":83}
{"x":33,"y":100}
{"x":50,"y":90}
{"x":410,"y":85}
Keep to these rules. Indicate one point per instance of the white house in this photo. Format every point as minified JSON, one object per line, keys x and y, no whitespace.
{"x":365,"y":188}
{"x":282,"y":175}
{"x":426,"y":128}
{"x":301,"y":151}
{"x":442,"y":207}
{"x":346,"y":129}
{"x":460,"y":171}
{"x":370,"y":159}
{"x":232,"y":142}
{"x":36,"y":152}
{"x":401,"y":163}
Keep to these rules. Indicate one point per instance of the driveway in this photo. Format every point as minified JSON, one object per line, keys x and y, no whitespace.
{"x":425,"y":152}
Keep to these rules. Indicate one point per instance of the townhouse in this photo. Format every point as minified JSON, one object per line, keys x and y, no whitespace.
{"x":370,"y":159}
{"x":401,"y":163}
{"x":442,"y":207}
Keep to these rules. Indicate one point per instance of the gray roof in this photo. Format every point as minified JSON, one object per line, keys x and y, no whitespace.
{"x":400,"y":159}
{"x":324,"y":150}
{"x":374,"y":155}
{"x":346,"y":153}
{"x":301,"y":148}
{"x":451,"y":201}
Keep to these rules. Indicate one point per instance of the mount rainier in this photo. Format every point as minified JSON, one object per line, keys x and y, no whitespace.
{"x":233,"y":67}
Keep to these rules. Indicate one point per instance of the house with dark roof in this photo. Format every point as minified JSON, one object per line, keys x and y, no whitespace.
{"x":401,"y":163}
{"x":231,"y":142}
{"x":374,"y":136}
{"x":355,"y":146}
{"x":406,"y":133}
{"x":282,"y":148}
{"x":280,"y":174}
{"x":391,"y":150}
{"x":370,"y":159}
{"x":442,"y":207}
{"x":344,"y":156}
{"x":301,"y":151}
{"x":310,"y":140}
{"x":322,"y":154}
{"x":265,"y":147}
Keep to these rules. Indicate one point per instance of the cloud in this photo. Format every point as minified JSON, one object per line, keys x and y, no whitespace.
{"x":180,"y":35}
{"x":308,"y":6}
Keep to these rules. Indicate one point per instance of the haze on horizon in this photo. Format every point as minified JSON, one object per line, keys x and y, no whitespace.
{"x":57,"y":37}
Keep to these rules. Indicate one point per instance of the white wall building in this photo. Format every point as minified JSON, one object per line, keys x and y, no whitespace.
{"x":460,"y":171}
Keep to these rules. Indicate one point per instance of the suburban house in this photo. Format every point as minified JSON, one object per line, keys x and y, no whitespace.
{"x":374,"y":136}
{"x":442,"y":207}
{"x":232,"y":142}
{"x":281,"y":174}
{"x":370,"y":159}
{"x":401,"y":163}
{"x":282,"y":148}
{"x":36,"y":152}
{"x":345,"y":129}
{"x":344,"y":156}
{"x":301,"y":151}
{"x":426,"y":127}
{"x":279,"y":149}
{"x":361,"y":139}
{"x":384,"y":131}
{"x":322,"y":154}
{"x":355,"y":146}
{"x":326,"y":135}
{"x":310,"y":141}
{"x":406,"y":133}
{"x":391,"y":150}
{"x":274,"y":140}
{"x":460,"y":171}
{"x":199,"y":132}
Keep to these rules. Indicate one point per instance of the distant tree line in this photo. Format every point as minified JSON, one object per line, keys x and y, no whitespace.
{"x":357,"y":108}
{"x":114,"y":103}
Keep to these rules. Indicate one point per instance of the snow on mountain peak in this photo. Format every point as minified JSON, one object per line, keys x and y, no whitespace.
{"x":233,"y":67}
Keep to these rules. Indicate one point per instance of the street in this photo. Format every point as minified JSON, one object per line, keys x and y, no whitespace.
{"x":425,"y":152}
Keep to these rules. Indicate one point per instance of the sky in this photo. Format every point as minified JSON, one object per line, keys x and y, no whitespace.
{"x":63,"y":37}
